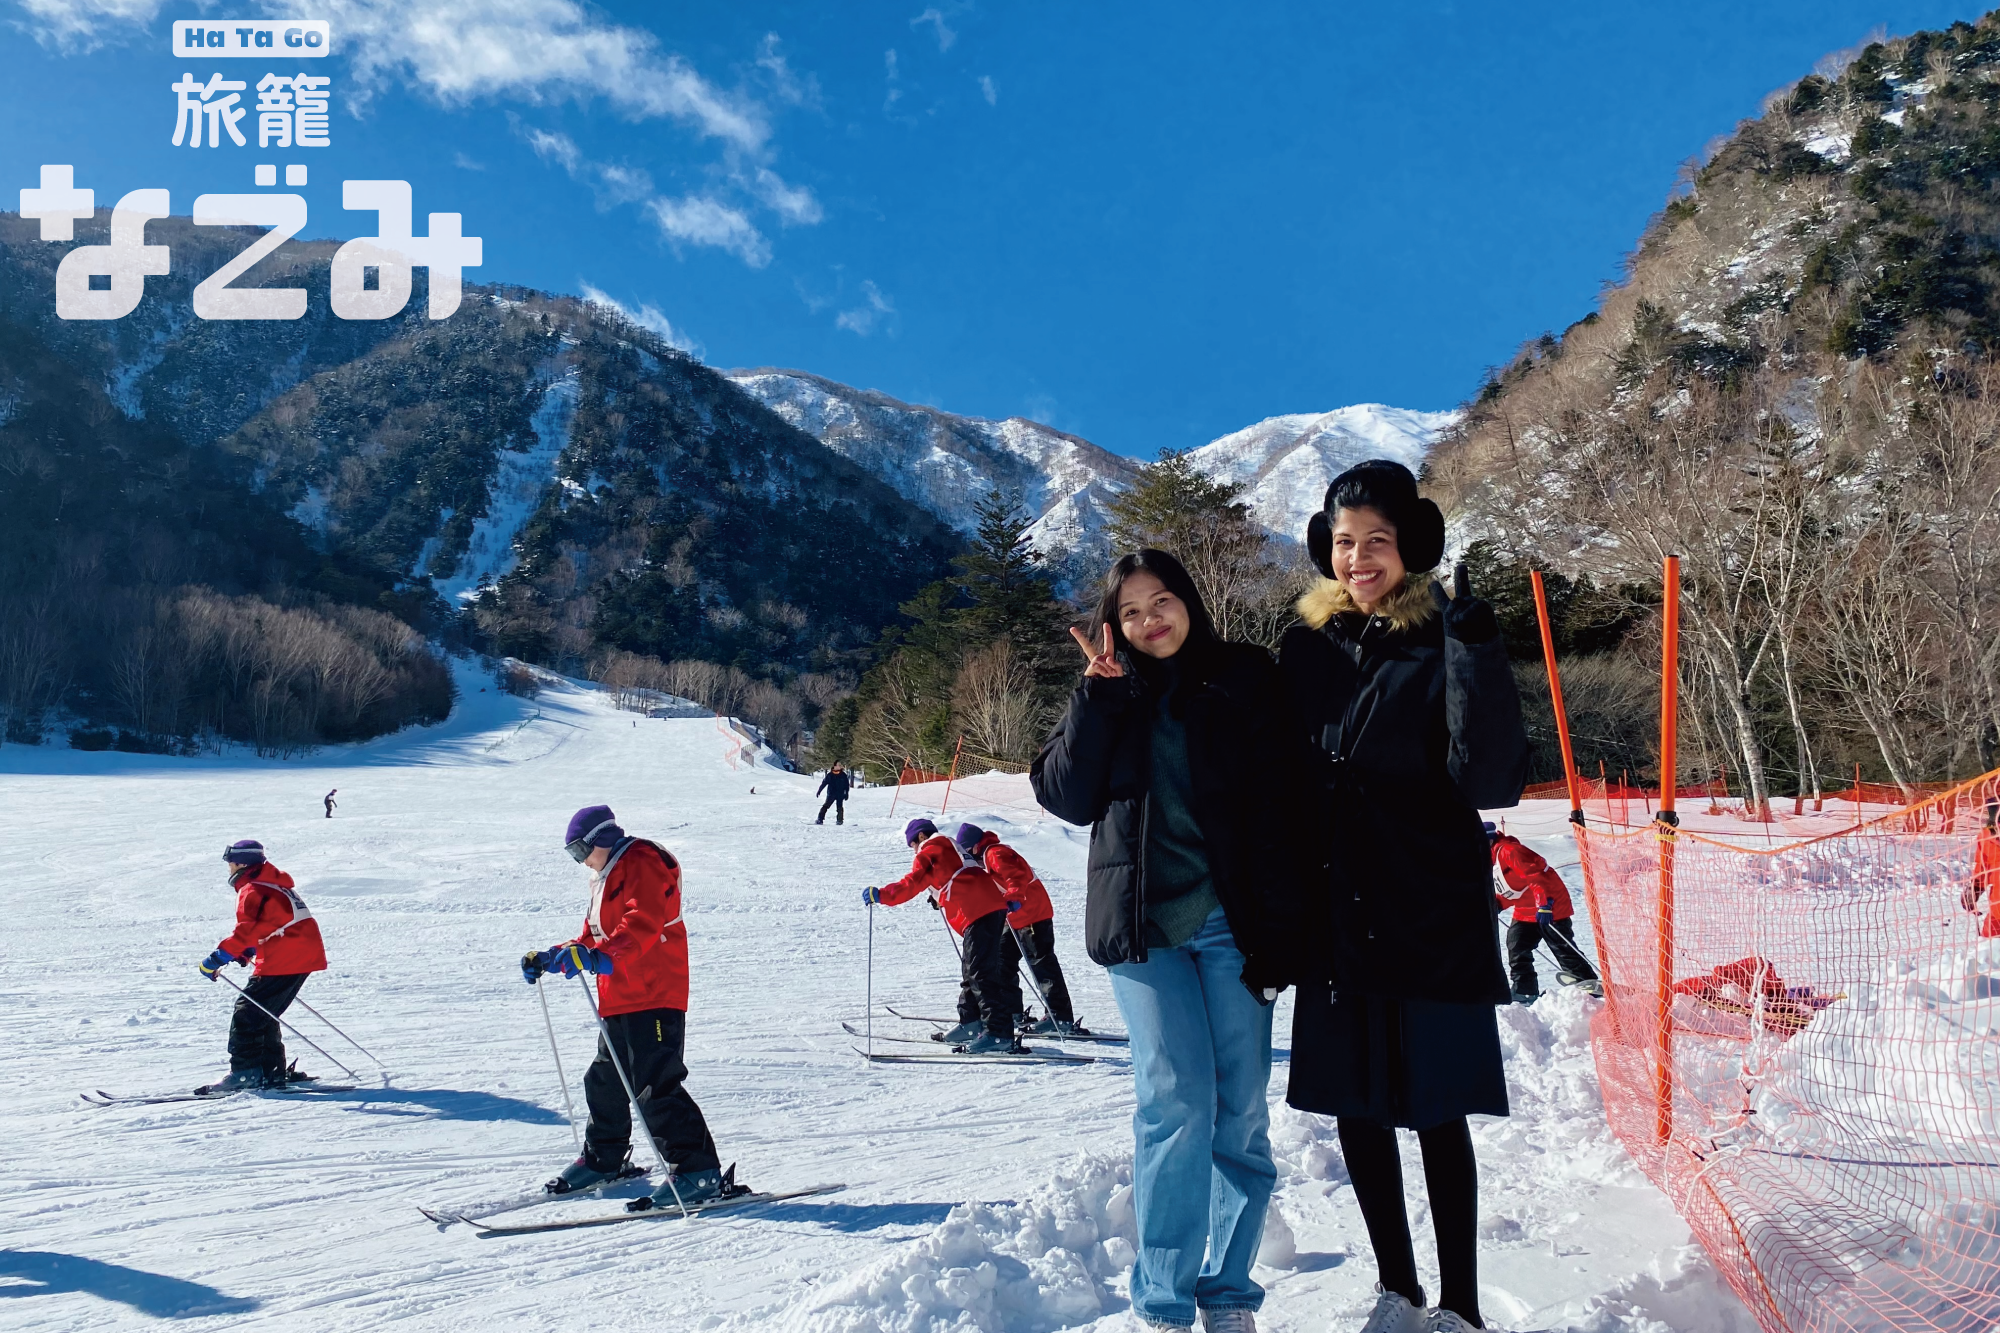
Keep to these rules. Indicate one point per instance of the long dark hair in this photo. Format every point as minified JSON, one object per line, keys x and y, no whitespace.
{"x":1169,"y":571}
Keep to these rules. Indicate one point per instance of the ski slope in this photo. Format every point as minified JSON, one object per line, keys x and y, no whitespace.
{"x":986,"y":1197}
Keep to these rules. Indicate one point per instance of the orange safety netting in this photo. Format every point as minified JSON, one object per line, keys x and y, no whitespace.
{"x":1801,"y":1046}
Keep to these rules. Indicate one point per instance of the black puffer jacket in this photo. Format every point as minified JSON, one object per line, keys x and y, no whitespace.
{"x":835,"y":785}
{"x":1419,"y":732}
{"x":1248,"y":766}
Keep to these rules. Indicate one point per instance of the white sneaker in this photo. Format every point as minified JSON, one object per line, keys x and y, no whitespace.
{"x":1394,"y":1314}
{"x":1447,"y":1321}
{"x":1228,"y":1321}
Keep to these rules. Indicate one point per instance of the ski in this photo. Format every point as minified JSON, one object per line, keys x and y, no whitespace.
{"x":1029,"y":1057}
{"x":883,"y":1036}
{"x":99,"y":1097}
{"x":472,"y":1212}
{"x":1113,"y":1038}
{"x":665,"y":1211}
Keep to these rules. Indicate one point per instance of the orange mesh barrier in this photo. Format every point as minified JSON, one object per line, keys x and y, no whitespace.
{"x":1812,"y":1071}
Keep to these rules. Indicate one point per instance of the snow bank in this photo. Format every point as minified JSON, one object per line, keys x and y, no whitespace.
{"x":1044,"y":1263}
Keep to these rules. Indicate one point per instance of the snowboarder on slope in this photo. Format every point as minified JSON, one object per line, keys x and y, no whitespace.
{"x":635,"y":944}
{"x":1542,"y":915}
{"x":835,"y":785}
{"x":1032,"y":925}
{"x":975,"y":908}
{"x":330,"y":802}
{"x":1986,"y":872}
{"x":276,"y":928}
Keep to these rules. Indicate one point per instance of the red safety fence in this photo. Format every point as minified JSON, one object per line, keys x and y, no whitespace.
{"x":1801,"y":1046}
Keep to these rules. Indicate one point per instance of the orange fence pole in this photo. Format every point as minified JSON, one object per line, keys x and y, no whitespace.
{"x":952,"y":776}
{"x":1556,"y":696}
{"x":1665,"y":822}
{"x":899,"y":787}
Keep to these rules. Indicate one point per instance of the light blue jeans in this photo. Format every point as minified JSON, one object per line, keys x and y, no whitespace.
{"x":1201,"y":1159}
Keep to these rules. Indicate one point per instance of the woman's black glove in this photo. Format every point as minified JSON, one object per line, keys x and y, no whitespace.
{"x":1466,"y":618}
{"x":1263,"y":977}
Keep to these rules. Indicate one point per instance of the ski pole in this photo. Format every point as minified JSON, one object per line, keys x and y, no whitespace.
{"x":343,"y":1036}
{"x":289,"y":1028}
{"x":638,"y":1111}
{"x":871,"y":980}
{"x":561,"y":1077}
{"x":952,"y":935}
{"x":1028,"y":972}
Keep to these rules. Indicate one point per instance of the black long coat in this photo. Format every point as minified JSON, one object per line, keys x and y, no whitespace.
{"x":1420,"y":732}
{"x":1248,"y":768}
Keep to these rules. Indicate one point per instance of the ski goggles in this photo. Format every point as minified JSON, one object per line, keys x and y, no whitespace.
{"x":580,"y":848}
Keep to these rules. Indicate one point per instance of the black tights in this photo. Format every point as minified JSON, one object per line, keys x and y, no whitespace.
{"x":1452,"y":1178}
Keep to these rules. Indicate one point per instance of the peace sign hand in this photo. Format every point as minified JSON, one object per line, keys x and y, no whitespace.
{"x":1104,"y":663}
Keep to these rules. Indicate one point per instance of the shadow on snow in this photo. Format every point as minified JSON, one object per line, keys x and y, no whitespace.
{"x":45,"y":1273}
{"x":445,"y":1104}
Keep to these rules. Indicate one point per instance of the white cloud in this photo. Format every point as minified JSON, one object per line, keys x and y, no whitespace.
{"x":792,"y":203}
{"x":894,"y":94}
{"x":611,"y":183}
{"x":935,"y":17}
{"x":786,"y":85}
{"x":465,"y":163}
{"x":75,"y":26}
{"x":863,"y":319}
{"x":705,"y":220}
{"x":988,"y":91}
{"x":647,"y":316}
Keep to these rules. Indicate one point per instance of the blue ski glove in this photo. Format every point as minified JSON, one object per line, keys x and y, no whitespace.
{"x":575,"y":959}
{"x":1012,"y":907}
{"x":532,"y":966}
{"x":871,"y":896}
{"x":216,"y":961}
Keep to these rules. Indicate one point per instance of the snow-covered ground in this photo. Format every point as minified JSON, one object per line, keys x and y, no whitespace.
{"x":988,"y":1197}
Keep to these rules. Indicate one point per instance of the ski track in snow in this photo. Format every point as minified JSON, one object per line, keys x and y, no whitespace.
{"x":988,"y":1197}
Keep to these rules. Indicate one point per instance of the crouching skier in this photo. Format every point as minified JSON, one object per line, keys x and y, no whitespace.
{"x":276,"y":928}
{"x":1542,"y":915}
{"x":975,"y":909}
{"x":1031,"y":931}
{"x":635,"y":944}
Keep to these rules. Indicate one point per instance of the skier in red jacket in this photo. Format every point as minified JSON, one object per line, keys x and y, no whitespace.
{"x":1986,"y":872}
{"x":276,"y":928}
{"x":1542,"y":914}
{"x":1032,"y":929}
{"x":635,"y":944}
{"x":975,"y":908}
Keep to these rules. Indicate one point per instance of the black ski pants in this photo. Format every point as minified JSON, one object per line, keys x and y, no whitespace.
{"x":985,"y":972}
{"x":839,"y":808}
{"x":1560,"y":936}
{"x":650,"y":1043}
{"x":256,"y":1042}
{"x":1451,"y":1177}
{"x":1040,"y":940}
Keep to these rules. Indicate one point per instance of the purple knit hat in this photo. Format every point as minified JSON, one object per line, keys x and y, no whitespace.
{"x":244,"y":852}
{"x":596,"y":825}
{"x":969,"y":836}
{"x":918,"y":828}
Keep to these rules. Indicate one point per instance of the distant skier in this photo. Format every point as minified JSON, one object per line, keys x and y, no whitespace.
{"x":330,"y":802}
{"x":835,"y":785}
{"x":976,"y":909}
{"x":635,"y":944}
{"x":1986,"y":872}
{"x":276,"y":928}
{"x":1033,"y":925}
{"x":1542,"y":915}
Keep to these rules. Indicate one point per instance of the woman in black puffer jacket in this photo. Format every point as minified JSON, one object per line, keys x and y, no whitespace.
{"x":1179,"y":753}
{"x":1410,"y":698}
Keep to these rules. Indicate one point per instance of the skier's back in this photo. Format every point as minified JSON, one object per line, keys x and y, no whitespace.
{"x":1031,"y":926}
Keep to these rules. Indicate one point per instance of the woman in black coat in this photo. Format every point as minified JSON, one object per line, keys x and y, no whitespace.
{"x":1410,"y":698}
{"x":1178,"y":752}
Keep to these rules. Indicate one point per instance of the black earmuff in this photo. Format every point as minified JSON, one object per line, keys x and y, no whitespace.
{"x":1319,"y":542}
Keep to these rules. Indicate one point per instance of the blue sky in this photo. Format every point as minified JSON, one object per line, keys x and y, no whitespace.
{"x":1148,"y":224}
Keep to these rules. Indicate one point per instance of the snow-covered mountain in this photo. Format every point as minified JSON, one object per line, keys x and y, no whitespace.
{"x":945,"y":462}
{"x":1285,"y":463}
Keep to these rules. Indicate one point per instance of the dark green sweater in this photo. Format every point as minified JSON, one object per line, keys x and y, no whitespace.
{"x":1180,"y":892}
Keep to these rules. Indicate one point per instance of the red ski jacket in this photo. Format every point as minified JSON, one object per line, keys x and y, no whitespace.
{"x":1986,"y":878}
{"x":635,"y":916}
{"x":1530,"y":881}
{"x":272,"y":919}
{"x":1017,"y":879}
{"x":964,"y":888}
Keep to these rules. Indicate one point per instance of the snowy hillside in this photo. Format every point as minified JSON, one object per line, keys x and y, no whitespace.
{"x":1285,"y":463}
{"x":987,"y":1196}
{"x":948,"y":463}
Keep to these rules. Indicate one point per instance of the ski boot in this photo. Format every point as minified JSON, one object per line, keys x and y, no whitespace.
{"x":238,"y":1080}
{"x":1591,"y":985}
{"x":293,"y":1074}
{"x":1034,"y":1027}
{"x":581,"y":1175}
{"x":987,"y":1043}
{"x":1526,"y":996}
{"x":961,"y":1034}
{"x":1070,"y":1028}
{"x":695,"y":1187}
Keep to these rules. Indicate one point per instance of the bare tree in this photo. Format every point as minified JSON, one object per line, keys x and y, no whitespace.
{"x":994,"y":698}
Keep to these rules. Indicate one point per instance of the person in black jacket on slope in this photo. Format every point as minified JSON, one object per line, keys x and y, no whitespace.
{"x":835,"y":785}
{"x":1410,"y":697}
{"x":1177,"y":751}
